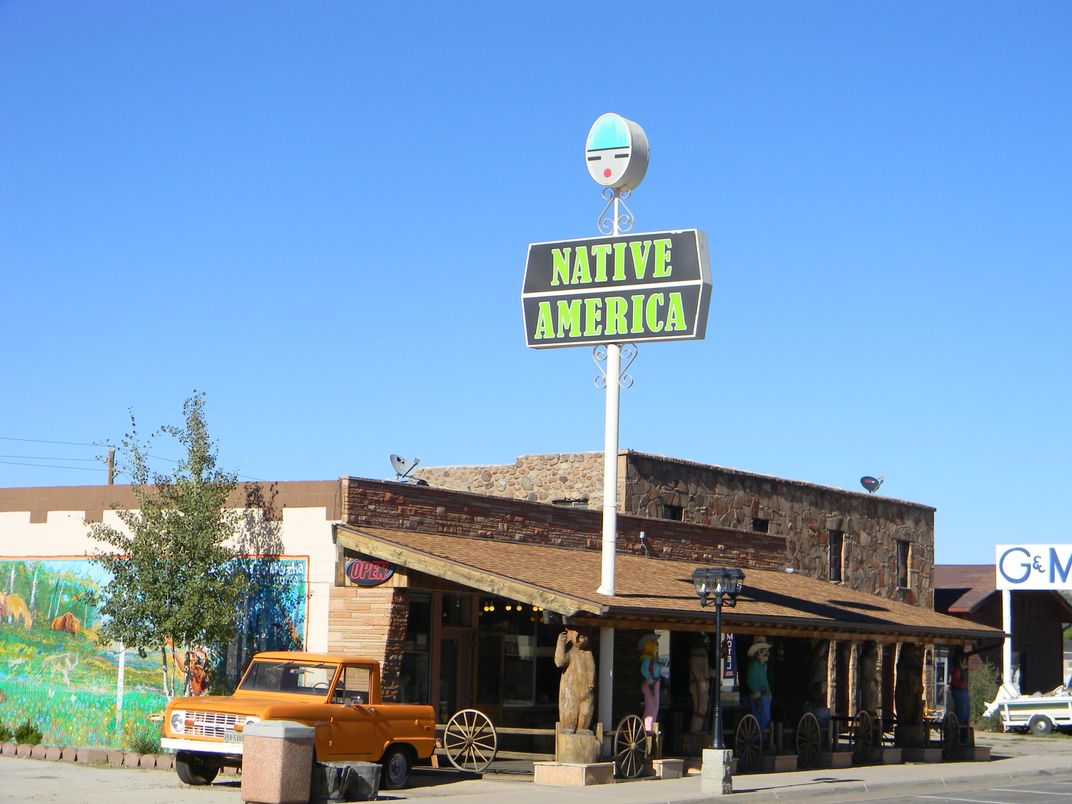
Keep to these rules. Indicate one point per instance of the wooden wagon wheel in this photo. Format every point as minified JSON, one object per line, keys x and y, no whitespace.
{"x":861,"y":737}
{"x":630,"y":747}
{"x":748,"y":744}
{"x":876,"y":731}
{"x":809,"y":741}
{"x":470,"y":740}
{"x":950,"y":737}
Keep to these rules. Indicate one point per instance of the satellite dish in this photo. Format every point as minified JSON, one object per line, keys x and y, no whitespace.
{"x":872,"y":484}
{"x":403,"y":466}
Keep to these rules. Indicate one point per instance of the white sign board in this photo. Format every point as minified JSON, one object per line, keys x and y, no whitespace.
{"x":1034,"y":566}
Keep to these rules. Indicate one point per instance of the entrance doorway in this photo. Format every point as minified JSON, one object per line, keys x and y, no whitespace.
{"x":455,"y":671}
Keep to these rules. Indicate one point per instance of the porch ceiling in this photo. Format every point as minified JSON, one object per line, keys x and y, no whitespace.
{"x":655,"y":593}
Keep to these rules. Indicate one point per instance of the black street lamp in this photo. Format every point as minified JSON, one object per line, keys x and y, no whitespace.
{"x":718,"y":585}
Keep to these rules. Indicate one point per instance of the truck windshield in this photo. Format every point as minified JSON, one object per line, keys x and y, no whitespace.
{"x":302,"y":679}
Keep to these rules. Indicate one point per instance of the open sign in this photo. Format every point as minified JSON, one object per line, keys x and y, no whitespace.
{"x":365,"y":571}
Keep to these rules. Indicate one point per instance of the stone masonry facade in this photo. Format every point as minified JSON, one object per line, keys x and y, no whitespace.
{"x":427,"y":509}
{"x":653,"y":488}
{"x":370,"y":623}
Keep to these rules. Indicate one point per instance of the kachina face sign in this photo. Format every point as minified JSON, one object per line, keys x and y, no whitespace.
{"x":654,"y":286}
{"x":1034,"y":566}
{"x":616,"y":152}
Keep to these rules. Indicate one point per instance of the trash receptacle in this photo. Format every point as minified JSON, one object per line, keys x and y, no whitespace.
{"x":277,"y":762}
{"x":345,"y":781}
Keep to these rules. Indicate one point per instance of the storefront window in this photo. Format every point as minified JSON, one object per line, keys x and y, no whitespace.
{"x":516,"y":654}
{"x":414,"y":676}
{"x":489,"y":671}
{"x":457,"y":609}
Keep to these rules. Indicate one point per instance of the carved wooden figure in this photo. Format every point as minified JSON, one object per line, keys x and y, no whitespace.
{"x":700,"y":675}
{"x":576,"y":689}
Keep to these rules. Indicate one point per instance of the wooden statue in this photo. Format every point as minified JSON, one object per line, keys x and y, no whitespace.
{"x":908,"y":698}
{"x":577,"y":687}
{"x":700,"y":675}
{"x":867,"y":677}
{"x":651,"y":670}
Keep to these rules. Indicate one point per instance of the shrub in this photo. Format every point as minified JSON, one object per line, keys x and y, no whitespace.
{"x":27,"y":732}
{"x":983,"y":683}
{"x":5,"y":734}
{"x":141,"y":736}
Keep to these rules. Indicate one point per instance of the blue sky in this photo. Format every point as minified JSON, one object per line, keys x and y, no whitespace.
{"x":318,"y":214}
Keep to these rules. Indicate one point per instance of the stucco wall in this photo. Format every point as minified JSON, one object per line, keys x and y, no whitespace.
{"x":32,"y":524}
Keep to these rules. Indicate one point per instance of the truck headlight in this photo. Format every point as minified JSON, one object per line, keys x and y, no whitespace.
{"x":177,"y":722}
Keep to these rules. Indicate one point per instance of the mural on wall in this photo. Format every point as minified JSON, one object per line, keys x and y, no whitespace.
{"x":54,"y":672}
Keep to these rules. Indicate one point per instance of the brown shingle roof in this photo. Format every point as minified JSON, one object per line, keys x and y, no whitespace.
{"x":651,"y":590}
{"x":974,"y":583}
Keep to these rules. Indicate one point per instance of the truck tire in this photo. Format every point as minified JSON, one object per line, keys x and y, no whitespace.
{"x":194,"y":770}
{"x":396,"y":764}
{"x":1040,"y":725}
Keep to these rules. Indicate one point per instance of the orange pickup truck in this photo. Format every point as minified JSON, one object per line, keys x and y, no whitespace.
{"x":337,"y":695}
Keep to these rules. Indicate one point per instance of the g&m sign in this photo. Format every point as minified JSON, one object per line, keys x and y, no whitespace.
{"x":637,"y":287}
{"x":1034,"y":566}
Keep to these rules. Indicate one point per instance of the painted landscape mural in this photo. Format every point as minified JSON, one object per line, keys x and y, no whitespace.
{"x":55,"y":673}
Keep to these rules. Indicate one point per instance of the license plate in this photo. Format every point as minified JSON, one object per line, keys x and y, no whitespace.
{"x":232,"y":736}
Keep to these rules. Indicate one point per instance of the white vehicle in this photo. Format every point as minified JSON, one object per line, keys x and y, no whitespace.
{"x":1038,"y":713}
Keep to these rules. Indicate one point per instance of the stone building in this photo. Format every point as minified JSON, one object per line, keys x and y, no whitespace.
{"x":461,"y":594}
{"x":871,"y":543}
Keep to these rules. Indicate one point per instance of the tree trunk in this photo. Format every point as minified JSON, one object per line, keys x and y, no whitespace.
{"x":11,"y":580}
{"x":55,"y":604}
{"x":33,"y":586}
{"x":164,"y":671}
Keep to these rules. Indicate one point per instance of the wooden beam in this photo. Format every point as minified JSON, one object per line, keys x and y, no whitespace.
{"x":461,"y":574}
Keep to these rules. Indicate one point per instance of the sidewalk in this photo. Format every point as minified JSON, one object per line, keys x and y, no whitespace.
{"x":1016,"y":757}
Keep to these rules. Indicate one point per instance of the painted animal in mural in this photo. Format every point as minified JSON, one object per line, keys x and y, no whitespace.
{"x":66,"y":622}
{"x":60,"y":664}
{"x":192,"y":666}
{"x":14,"y":609}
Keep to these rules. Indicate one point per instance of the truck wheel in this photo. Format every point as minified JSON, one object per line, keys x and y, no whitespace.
{"x":194,"y":770}
{"x":1040,"y":725}
{"x":396,"y":764}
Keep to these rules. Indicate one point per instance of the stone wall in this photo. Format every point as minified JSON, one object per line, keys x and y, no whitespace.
{"x":371,"y":623}
{"x":803,"y":514}
{"x":404,"y":506}
{"x":570,"y":478}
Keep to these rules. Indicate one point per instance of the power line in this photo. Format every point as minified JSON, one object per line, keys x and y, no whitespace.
{"x":50,"y":466}
{"x":47,"y":458}
{"x":42,"y":441}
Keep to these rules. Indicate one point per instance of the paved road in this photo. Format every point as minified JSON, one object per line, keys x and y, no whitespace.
{"x":1056,"y":790}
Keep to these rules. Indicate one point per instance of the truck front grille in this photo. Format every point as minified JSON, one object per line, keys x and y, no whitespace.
{"x":211,"y":724}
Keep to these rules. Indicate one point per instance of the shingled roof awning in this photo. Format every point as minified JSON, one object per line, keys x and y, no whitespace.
{"x":655,"y":593}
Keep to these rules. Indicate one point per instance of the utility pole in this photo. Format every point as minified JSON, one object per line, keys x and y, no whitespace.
{"x":111,"y":466}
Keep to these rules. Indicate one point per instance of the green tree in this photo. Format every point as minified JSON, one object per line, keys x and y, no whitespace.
{"x":176,"y":582}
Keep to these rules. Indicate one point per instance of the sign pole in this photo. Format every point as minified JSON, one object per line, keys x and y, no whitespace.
{"x":610,"y":452}
{"x":610,"y":523}
{"x":1006,"y":643}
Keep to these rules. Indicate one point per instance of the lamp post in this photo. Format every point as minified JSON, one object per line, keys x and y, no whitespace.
{"x":718,"y":585}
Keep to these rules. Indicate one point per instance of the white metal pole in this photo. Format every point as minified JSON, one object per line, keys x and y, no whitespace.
{"x":610,"y":523}
{"x":1006,"y":643}
{"x":606,"y":684}
{"x":610,"y":470}
{"x":610,"y":453}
